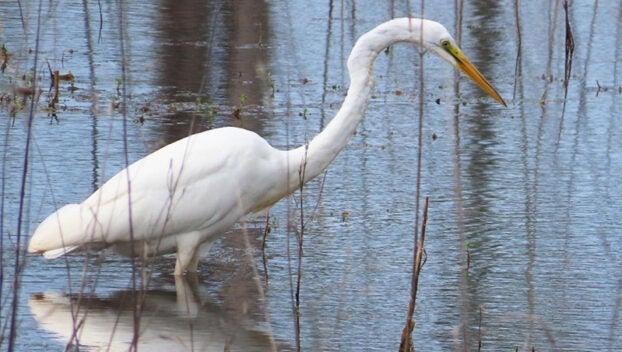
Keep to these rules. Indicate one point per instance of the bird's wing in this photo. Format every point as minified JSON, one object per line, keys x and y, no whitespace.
{"x":200,"y":183}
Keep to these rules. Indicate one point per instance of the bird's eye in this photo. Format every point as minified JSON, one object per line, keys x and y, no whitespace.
{"x":445,"y":43}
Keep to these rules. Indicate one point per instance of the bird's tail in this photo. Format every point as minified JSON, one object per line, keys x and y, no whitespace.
{"x":55,"y":253}
{"x":60,"y":233}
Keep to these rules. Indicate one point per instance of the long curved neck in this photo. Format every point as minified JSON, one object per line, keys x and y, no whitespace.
{"x":312,"y":159}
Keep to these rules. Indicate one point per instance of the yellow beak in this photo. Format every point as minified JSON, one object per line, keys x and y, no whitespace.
{"x":467,"y":67}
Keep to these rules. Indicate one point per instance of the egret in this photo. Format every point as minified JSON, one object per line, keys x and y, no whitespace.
{"x":182,"y":197}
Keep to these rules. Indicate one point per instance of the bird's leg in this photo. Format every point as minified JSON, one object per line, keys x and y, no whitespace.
{"x":194,"y":262}
{"x":186,"y":261}
{"x":187,"y":302}
{"x":187,"y":253}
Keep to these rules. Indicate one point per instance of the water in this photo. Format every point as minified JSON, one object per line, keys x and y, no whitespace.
{"x":529,"y":194}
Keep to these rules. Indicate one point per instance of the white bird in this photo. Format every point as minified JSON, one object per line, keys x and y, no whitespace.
{"x":181,"y":198}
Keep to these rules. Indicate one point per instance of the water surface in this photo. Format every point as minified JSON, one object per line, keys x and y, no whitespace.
{"x":523,"y":238}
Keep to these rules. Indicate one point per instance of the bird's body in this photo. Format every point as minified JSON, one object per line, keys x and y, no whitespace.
{"x":182,"y":197}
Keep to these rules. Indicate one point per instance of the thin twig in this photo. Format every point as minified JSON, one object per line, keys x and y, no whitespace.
{"x":568,"y":55}
{"x":406,"y":344}
{"x":137,"y":302}
{"x":266,"y":231}
{"x":20,"y":215}
{"x":302,"y":170}
{"x":519,"y":47}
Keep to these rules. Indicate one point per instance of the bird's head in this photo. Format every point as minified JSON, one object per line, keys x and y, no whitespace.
{"x":437,"y":39}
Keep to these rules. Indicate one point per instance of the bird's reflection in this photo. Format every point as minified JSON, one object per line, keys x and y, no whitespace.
{"x":167,"y":320}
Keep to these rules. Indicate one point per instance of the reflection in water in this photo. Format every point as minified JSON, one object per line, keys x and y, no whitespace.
{"x":183,"y":319}
{"x":212,"y":55}
{"x":474,"y":162}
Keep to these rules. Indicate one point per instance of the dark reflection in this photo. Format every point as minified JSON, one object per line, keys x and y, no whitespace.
{"x":186,"y":34}
{"x":211,"y":65}
{"x":481,"y":129}
{"x":481,"y":137}
{"x":477,"y":171}
{"x":182,"y":319}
